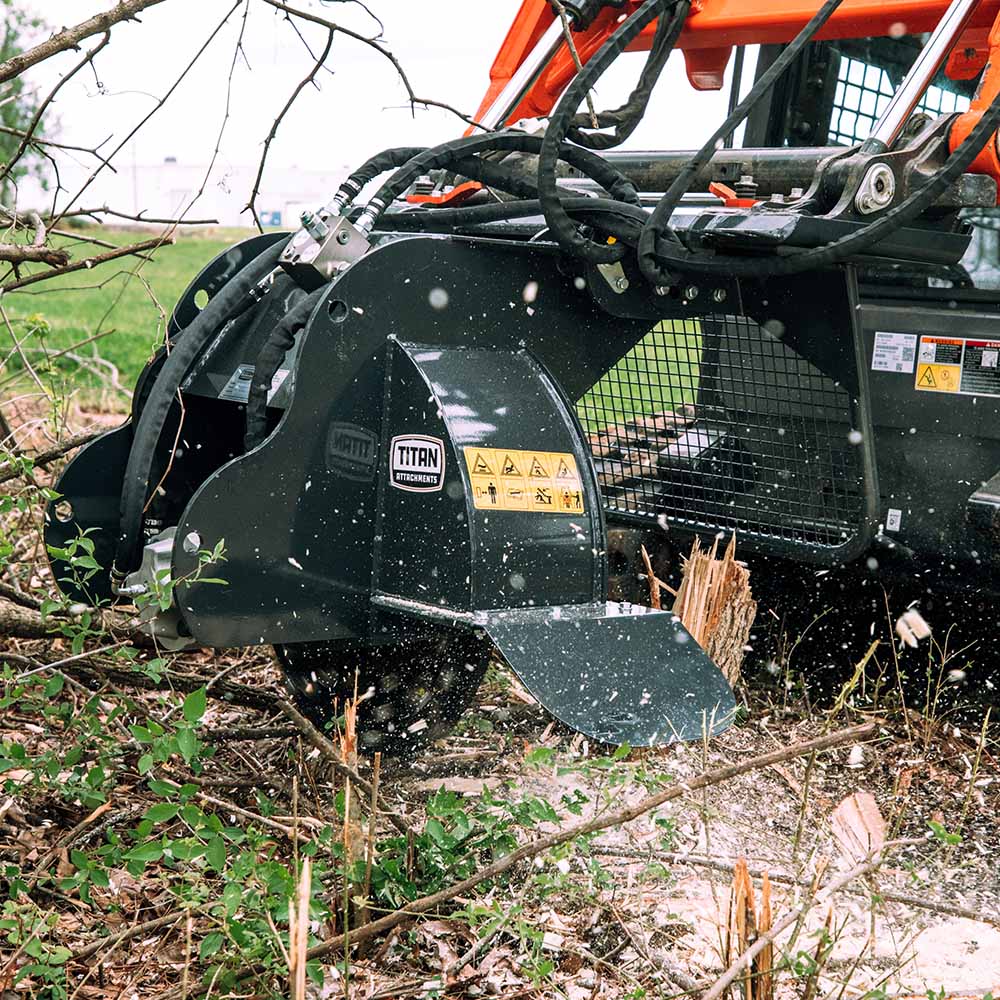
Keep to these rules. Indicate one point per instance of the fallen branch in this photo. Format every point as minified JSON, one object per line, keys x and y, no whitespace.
{"x":126,"y":935}
{"x":48,"y":456}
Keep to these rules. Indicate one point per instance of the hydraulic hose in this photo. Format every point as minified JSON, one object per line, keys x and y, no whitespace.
{"x":268,"y":362}
{"x":146,"y":437}
{"x":807,"y":260}
{"x":659,"y":222}
{"x":388,"y":159}
{"x":595,"y":167}
{"x":625,"y":119}
{"x":563,"y":228}
{"x":613,"y":217}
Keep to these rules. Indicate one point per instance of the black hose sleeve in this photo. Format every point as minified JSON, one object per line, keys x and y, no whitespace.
{"x":807,"y":260}
{"x":388,"y":159}
{"x":146,"y":437}
{"x":612,"y":217}
{"x":593,"y":166}
{"x":563,"y":228}
{"x":269,"y":359}
{"x":625,"y":119}
{"x":659,"y":220}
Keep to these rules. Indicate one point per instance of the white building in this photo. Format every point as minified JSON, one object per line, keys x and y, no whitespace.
{"x":171,"y":189}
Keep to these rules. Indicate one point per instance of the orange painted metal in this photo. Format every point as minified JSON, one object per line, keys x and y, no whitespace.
{"x":713,"y":28}
{"x":458,"y":194}
{"x":988,"y":161}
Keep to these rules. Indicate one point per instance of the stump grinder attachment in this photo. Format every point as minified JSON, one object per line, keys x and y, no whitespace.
{"x":400,"y":434}
{"x":427,"y":494}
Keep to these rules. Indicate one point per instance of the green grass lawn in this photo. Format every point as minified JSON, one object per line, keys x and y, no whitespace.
{"x":111,"y":315}
{"x":659,"y":374}
{"x":91,"y":332}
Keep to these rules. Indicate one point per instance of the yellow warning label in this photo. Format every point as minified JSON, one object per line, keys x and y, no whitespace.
{"x":480,"y":465}
{"x":538,"y":465}
{"x":510,"y":466}
{"x":512,"y":479}
{"x":939,"y":378}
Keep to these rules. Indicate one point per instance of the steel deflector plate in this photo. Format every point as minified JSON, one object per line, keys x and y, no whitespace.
{"x":620,"y":676}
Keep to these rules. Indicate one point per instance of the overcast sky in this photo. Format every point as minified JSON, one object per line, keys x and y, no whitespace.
{"x":446,"y":48}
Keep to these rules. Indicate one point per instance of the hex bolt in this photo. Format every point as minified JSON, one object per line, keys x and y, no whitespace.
{"x":661,"y":289}
{"x":192,"y":543}
{"x":621,"y":284}
{"x":719,"y":295}
{"x":691,"y":292}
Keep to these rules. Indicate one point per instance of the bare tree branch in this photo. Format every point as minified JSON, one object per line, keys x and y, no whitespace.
{"x":23,"y":253}
{"x":86,"y":262}
{"x":309,"y":78}
{"x":29,"y":132}
{"x":159,"y":104}
{"x":382,"y":50}
{"x":70,"y":38}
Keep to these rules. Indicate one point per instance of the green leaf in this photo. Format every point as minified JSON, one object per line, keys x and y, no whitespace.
{"x":211,"y":944}
{"x":162,"y":812}
{"x":146,"y":763}
{"x":187,"y":743}
{"x":216,"y":853}
{"x":231,"y":897}
{"x":151,"y":851}
{"x":195,"y":704}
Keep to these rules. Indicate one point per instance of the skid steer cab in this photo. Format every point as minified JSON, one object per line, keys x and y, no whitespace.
{"x":422,"y":496}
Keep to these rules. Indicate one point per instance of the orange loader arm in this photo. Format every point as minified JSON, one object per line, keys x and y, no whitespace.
{"x":714,"y":27}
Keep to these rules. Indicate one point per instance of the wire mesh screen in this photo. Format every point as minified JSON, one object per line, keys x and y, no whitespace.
{"x":719,"y":425}
{"x":862,"y":93}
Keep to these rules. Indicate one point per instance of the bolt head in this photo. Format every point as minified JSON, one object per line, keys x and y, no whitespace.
{"x":621,"y":284}
{"x":343,"y":236}
{"x":691,"y":292}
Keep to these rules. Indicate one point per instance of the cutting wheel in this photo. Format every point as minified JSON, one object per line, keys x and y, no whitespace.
{"x":412,"y":692}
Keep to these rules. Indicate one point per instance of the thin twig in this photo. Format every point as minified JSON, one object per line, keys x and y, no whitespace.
{"x":382,"y":50}
{"x":310,"y":77}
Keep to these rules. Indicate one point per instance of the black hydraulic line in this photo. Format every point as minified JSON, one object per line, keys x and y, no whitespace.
{"x":625,"y":119}
{"x":919,"y":201}
{"x":495,"y":175}
{"x":388,"y":159}
{"x":614,"y":217}
{"x":563,"y":228}
{"x":659,"y":221}
{"x":445,"y":155}
{"x":135,"y":485}
{"x":734,"y":89}
{"x":269,"y":359}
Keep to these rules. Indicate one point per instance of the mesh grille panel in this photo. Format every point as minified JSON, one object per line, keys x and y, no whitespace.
{"x":862,"y":93}
{"x":717,"y":425}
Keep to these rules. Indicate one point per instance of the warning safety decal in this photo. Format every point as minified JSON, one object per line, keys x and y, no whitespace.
{"x":510,"y":479}
{"x":958,"y":365}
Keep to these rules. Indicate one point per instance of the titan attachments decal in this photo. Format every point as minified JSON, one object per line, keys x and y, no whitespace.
{"x":416,"y":463}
